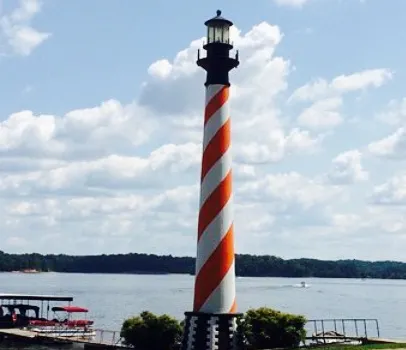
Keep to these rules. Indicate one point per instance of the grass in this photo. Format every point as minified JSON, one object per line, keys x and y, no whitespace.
{"x":359,"y":347}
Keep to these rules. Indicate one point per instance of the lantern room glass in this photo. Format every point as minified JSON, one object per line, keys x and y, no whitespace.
{"x":219,"y":33}
{"x":210,"y":34}
{"x":226,"y":34}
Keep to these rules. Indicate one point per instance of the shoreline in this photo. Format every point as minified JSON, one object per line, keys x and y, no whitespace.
{"x":245,"y":265}
{"x":158,"y":273}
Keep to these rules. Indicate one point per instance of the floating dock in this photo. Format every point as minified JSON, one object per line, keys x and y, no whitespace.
{"x":100,"y":341}
{"x":346,"y":331}
{"x":384,"y":341}
{"x":16,"y":332}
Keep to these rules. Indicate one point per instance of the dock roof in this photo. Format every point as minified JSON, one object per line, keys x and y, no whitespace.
{"x":35,"y":297}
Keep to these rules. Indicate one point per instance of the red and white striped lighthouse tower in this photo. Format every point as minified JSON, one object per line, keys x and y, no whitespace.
{"x":211,"y":325}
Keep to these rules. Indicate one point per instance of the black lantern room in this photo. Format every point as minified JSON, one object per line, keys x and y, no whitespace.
{"x":218,"y":62}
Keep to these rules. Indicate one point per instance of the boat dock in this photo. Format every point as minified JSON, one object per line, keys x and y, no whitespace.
{"x":352,"y":331}
{"x":108,"y":339}
{"x":105,"y":339}
{"x":22,"y":321}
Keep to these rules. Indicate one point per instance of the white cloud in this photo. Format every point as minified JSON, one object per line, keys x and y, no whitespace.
{"x":288,"y":188}
{"x":392,"y":146}
{"x":160,"y":69}
{"x":347,"y":168}
{"x":291,"y":3}
{"x":392,"y":192}
{"x":277,"y":146}
{"x":322,"y":114}
{"x":375,"y":222}
{"x":345,"y":221}
{"x":300,"y":3}
{"x":18,"y":35}
{"x":84,"y":133}
{"x":342,"y":84}
{"x":395,"y":113}
{"x":361,"y":80}
{"x":106,"y":175}
{"x":326,"y":98}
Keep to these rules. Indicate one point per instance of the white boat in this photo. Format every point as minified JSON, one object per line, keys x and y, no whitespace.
{"x":64,"y":332}
{"x":302,"y":284}
{"x":64,"y":326}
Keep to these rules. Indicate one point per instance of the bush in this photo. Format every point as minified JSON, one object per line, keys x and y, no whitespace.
{"x":150,"y":332}
{"x":266,"y":328}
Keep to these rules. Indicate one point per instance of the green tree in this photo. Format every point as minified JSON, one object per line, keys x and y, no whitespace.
{"x":150,"y":332}
{"x":246,"y":265}
{"x":266,"y":328}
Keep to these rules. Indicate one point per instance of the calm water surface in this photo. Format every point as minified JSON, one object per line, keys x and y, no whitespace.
{"x":112,"y":298}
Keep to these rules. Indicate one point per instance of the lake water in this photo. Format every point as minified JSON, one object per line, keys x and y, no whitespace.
{"x":112,"y":298}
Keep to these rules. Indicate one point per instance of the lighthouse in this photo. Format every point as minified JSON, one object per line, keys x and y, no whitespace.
{"x":212,"y":323}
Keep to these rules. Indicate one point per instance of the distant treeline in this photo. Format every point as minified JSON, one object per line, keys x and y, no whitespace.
{"x":246,"y":265}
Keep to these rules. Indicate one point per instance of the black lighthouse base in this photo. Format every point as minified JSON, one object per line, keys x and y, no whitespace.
{"x":204,"y":331}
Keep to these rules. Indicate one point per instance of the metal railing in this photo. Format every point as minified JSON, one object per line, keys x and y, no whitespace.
{"x":113,"y":336}
{"x":342,"y":329}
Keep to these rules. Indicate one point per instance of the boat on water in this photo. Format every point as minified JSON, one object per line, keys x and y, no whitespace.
{"x":23,"y":312}
{"x":302,"y":284}
{"x":63,"y":324}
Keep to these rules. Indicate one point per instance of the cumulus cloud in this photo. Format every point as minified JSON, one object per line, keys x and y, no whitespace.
{"x":85,"y":133}
{"x":16,"y":33}
{"x":326,"y":98}
{"x":392,"y":192}
{"x":320,"y":88}
{"x":322,"y":114}
{"x":277,"y":146}
{"x":347,"y":168}
{"x":288,"y":188}
{"x":392,"y":146}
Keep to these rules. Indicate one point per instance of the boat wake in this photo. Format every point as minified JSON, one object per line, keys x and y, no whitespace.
{"x":279,"y":286}
{"x":296,"y":285}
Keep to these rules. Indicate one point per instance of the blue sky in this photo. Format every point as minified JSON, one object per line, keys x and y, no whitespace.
{"x":114,"y":43}
{"x":100,"y":133}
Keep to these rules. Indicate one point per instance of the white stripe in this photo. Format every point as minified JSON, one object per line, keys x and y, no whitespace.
{"x":211,"y":91}
{"x":213,"y":234}
{"x":217,"y":120}
{"x":216,"y":174}
{"x":222,"y":298}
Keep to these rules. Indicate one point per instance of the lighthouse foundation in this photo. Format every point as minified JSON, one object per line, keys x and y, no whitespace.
{"x":205,"y":331}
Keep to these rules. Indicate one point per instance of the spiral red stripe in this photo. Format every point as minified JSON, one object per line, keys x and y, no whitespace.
{"x":215,"y":103}
{"x":216,"y":147}
{"x":214,"y":203}
{"x":215,"y":276}
{"x":215,"y":269}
